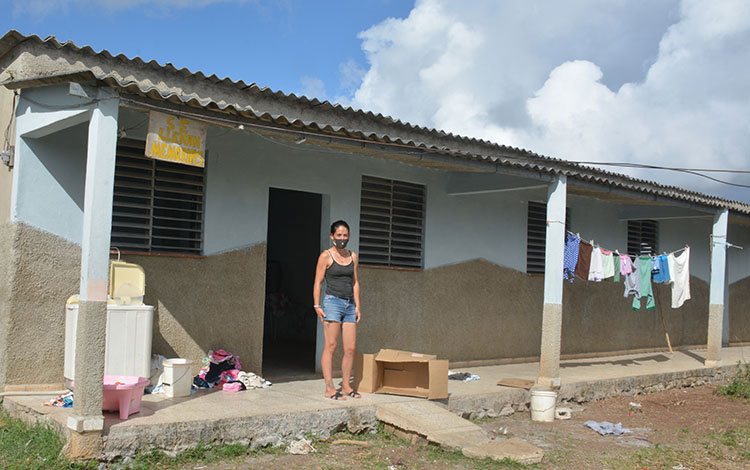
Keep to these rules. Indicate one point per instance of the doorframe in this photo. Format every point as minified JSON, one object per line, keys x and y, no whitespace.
{"x":325,"y":242}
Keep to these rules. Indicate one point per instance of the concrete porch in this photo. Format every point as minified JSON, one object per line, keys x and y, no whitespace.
{"x":289,"y":410}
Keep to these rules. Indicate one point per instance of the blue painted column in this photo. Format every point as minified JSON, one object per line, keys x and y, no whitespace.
{"x":97,"y":226}
{"x":717,"y":288}
{"x":549,"y":361}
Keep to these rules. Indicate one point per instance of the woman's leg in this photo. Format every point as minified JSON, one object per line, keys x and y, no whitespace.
{"x":331,"y":334}
{"x":349,"y":340}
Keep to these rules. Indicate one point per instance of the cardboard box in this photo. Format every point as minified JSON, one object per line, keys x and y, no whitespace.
{"x":401,"y":373}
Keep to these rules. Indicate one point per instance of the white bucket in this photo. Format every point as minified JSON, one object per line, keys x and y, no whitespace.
{"x":177,"y":379}
{"x":543,"y":405}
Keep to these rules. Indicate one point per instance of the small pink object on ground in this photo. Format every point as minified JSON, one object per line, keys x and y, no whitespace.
{"x":123,"y":393}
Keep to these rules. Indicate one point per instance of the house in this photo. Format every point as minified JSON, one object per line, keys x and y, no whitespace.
{"x":461,"y":240}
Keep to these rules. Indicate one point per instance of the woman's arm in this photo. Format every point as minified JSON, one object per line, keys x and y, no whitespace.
{"x":355,"y":286}
{"x":320,"y":272}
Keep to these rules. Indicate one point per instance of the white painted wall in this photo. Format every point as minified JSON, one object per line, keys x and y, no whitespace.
{"x":458,"y":228}
{"x":49,"y":182}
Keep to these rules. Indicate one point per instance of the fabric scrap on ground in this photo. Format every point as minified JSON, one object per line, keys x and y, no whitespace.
{"x":65,"y":400}
{"x":463,"y":376}
{"x":605,"y":427}
{"x":300,"y":447}
{"x":251,"y":380}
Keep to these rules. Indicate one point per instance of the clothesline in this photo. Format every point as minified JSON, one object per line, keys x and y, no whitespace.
{"x":591,"y":262}
{"x":632,"y":256}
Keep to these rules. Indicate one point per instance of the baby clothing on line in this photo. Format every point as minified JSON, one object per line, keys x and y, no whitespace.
{"x":616,"y":260}
{"x":608,"y":264}
{"x":632,"y":282}
{"x":584,"y":260}
{"x":626,"y":265}
{"x":596,"y":269}
{"x":570,"y":256}
{"x":645,"y":290}
{"x":662,"y":276}
{"x":679,"y":270}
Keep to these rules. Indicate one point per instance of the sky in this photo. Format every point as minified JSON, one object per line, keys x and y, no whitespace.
{"x":646,"y":82}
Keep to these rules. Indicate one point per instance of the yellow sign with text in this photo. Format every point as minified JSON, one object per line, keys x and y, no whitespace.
{"x":176,"y":139}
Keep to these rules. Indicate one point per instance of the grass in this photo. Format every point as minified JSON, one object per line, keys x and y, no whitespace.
{"x":203,"y":454}
{"x":739,"y":387}
{"x":39,"y":446}
{"x":28,"y":447}
{"x":456,"y":458}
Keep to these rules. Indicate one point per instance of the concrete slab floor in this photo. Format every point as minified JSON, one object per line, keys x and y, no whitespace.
{"x":288,"y":410}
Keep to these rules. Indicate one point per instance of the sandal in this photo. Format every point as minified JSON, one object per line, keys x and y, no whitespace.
{"x":336,"y":396}
{"x":354,"y":394}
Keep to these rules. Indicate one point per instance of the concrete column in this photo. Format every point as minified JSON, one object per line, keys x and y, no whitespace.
{"x":717,"y":288}
{"x":549,"y":362}
{"x":92,"y":313}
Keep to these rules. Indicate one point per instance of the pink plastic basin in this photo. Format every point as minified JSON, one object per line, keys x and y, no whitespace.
{"x":123,"y":393}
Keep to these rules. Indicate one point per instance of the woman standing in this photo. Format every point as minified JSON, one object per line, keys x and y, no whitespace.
{"x":339,"y":313}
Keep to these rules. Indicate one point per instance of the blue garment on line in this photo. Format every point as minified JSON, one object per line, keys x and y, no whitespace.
{"x":654,"y":265}
{"x":570,"y":256}
{"x":663,"y":275}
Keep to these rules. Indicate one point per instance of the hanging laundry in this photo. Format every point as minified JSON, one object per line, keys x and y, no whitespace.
{"x":644,"y":285}
{"x":584,"y":260}
{"x":570,"y":256}
{"x":596,"y":271}
{"x":662,"y":275}
{"x":608,"y":264}
{"x":679,"y":270}
{"x":616,"y":259}
{"x":626,"y":265}
{"x":632,"y":281}
{"x":654,"y":266}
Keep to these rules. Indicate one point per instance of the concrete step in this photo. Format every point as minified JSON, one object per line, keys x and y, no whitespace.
{"x":440,"y":426}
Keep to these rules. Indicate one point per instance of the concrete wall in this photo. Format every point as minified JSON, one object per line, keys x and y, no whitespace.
{"x":210,"y":303}
{"x":739,"y":311}
{"x":478,"y":310}
{"x":40,"y":271}
{"x":472,"y":301}
{"x":6,"y":174}
{"x":7,"y":267}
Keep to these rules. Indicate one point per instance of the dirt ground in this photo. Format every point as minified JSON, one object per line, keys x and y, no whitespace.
{"x":675,"y":429}
{"x":679,"y":428}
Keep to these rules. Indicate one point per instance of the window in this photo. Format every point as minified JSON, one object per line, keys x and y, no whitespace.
{"x":391,"y":223}
{"x":536,"y":236}
{"x":158,"y":205}
{"x":642,"y":236}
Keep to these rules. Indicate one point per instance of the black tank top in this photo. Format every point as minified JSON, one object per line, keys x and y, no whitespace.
{"x":339,"y":279}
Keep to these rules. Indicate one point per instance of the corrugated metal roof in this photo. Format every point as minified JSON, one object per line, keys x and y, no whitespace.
{"x":62,"y":61}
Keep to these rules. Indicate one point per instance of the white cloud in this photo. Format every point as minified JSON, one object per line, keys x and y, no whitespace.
{"x":350,"y":75}
{"x":313,"y":87}
{"x":647,"y":82}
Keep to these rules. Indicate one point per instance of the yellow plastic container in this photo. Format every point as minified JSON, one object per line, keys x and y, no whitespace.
{"x":127,"y":283}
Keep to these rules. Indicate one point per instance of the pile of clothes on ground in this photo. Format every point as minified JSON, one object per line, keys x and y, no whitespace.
{"x":65,"y":400}
{"x":222,"y":369}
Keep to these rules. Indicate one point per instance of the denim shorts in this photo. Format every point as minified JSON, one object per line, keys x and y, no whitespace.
{"x":339,"y":310}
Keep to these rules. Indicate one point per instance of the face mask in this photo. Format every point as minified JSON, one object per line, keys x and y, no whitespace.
{"x":341,"y":243}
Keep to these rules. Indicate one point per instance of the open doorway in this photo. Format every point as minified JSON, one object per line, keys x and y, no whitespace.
{"x":293,"y":246}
